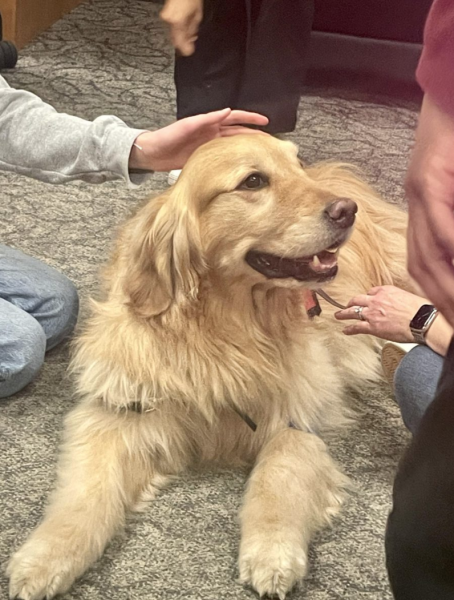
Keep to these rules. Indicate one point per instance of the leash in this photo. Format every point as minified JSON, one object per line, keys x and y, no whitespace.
{"x":328,"y":298}
{"x":313,"y":309}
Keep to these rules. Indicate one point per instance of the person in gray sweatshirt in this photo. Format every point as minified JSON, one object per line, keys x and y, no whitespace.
{"x":39,"y":305}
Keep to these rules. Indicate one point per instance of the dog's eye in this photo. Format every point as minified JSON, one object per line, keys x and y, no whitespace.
{"x":255,"y":181}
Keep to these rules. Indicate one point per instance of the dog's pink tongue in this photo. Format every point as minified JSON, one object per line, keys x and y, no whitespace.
{"x":323,"y":261}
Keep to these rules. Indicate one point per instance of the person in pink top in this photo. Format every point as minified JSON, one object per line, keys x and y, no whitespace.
{"x":420,"y":530}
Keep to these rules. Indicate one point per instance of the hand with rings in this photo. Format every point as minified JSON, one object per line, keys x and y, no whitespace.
{"x":359,"y":312}
{"x":385,"y":312}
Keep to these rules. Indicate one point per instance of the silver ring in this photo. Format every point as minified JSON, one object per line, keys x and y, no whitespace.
{"x":359,"y":312}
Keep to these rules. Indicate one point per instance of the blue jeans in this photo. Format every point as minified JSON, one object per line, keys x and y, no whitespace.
{"x":415,"y":383}
{"x":38,"y":309}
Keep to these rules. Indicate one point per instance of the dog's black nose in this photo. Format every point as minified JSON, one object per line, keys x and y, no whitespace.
{"x":341,"y":212}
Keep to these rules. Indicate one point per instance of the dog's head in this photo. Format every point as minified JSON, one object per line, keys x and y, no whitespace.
{"x":246,"y":209}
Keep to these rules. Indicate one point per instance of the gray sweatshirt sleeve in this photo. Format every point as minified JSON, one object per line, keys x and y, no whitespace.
{"x":37,"y":141}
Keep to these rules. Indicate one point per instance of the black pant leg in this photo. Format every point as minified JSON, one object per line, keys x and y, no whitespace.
{"x":420,"y":531}
{"x":209,"y":79}
{"x":276,"y":60}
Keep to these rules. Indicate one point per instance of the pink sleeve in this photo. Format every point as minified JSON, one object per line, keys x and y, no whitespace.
{"x":435,"y":73}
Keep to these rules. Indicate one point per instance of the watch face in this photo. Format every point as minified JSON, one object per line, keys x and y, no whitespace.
{"x":420,"y":318}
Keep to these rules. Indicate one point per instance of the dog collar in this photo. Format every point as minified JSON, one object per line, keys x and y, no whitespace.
{"x":247,"y":419}
{"x":313,"y":309}
{"x":311,"y":304}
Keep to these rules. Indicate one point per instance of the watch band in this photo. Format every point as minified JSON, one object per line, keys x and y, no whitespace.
{"x":419,"y":336}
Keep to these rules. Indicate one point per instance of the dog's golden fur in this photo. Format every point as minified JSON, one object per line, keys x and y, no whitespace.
{"x":188,"y":332}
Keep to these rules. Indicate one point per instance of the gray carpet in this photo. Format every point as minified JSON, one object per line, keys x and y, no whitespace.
{"x":111,"y":56}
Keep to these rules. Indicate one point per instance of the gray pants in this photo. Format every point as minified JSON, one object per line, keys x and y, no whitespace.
{"x":38,"y":309}
{"x":415,"y":383}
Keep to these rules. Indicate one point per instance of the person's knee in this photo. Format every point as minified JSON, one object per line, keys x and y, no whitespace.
{"x":41,"y":291}
{"x":22,"y":350}
{"x":415,"y":384}
{"x":409,"y":405}
{"x":64,"y":303}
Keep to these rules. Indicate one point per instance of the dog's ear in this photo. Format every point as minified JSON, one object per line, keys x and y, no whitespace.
{"x":166,"y":260}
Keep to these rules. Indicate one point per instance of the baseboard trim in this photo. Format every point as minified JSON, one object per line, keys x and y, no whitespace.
{"x":384,"y":58}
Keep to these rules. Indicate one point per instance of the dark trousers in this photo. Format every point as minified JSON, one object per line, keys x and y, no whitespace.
{"x":250,"y":55}
{"x":420,"y":532}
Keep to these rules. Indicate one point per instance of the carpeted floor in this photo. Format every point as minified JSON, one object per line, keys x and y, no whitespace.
{"x":111,"y":56}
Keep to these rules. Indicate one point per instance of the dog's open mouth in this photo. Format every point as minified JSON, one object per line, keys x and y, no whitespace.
{"x":320,"y":267}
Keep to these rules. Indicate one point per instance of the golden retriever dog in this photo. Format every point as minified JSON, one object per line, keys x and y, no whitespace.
{"x":202,"y":333}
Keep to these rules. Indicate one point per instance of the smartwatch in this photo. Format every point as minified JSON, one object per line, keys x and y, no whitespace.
{"x":421,"y":322}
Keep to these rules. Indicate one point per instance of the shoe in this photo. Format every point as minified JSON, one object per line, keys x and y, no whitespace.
{"x":391,"y":355}
{"x":173,"y":176}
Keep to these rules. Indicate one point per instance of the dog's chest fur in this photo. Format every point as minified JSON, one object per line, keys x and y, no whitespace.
{"x":263,"y":356}
{"x":259,"y":354}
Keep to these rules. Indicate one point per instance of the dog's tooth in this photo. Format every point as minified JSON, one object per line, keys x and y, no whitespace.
{"x":316,"y":261}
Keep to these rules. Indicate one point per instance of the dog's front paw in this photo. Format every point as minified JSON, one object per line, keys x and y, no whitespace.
{"x":271,"y":564}
{"x":40,"y":570}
